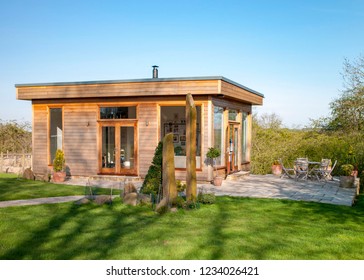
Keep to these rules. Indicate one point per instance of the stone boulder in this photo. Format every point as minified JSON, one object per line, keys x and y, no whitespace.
{"x":131,"y":199}
{"x":103,"y":199}
{"x":129,"y":188}
{"x":28,"y":174}
{"x":82,"y":201}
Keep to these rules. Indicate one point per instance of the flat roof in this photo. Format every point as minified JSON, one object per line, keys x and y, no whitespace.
{"x":141,"y":81}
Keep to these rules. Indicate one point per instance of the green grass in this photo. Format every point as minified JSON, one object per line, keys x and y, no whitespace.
{"x":233,"y":228}
{"x":13,"y":188}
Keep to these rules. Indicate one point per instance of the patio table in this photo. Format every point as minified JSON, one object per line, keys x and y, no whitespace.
{"x":311,"y":167}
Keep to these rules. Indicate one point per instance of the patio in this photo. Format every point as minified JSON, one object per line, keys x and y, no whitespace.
{"x":270,"y":186}
{"x":259,"y":186}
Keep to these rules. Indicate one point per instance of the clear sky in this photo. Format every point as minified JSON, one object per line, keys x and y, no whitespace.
{"x":291,"y":51}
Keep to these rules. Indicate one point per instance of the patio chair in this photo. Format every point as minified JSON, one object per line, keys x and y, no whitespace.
{"x":319,"y":171}
{"x":301,"y":169}
{"x":289,"y":172}
{"x":326,"y":173}
{"x":325,"y":170}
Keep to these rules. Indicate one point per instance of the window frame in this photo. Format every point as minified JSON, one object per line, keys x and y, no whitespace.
{"x":49,"y":108}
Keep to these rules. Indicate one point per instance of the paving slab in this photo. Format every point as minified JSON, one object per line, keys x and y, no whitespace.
{"x":270,"y":186}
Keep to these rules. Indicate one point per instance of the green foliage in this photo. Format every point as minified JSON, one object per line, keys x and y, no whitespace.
{"x":178,"y":150}
{"x":181,"y":187}
{"x":289,"y":144}
{"x":180,"y":202}
{"x":163,"y":209}
{"x":347,"y":169}
{"x":213,"y":153}
{"x":153,"y":179}
{"x":15,"y":137}
{"x":206,"y":198}
{"x":59,"y":161}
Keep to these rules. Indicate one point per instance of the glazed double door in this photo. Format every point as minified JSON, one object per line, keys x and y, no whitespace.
{"x":118,"y":151}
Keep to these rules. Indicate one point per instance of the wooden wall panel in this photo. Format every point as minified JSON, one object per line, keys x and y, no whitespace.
{"x":80,"y":135}
{"x":40,"y":139}
{"x":148,"y":135}
{"x":80,"y":139}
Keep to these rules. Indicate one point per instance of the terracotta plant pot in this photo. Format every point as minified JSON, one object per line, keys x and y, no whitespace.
{"x":277,"y":169}
{"x":59,"y":177}
{"x":347,"y":181}
{"x":217,"y":181}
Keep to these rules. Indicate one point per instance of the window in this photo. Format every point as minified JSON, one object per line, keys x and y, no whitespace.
{"x":55,"y":131}
{"x":219,"y":134}
{"x":173,"y":120}
{"x":244,"y":137}
{"x":233,"y":115}
{"x":118,"y":112}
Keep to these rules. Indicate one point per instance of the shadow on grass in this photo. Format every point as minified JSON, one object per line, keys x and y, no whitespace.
{"x":233,"y":228}
{"x":79,"y":232}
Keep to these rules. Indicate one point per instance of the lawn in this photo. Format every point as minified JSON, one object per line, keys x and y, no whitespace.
{"x":12,"y":188}
{"x":233,"y":228}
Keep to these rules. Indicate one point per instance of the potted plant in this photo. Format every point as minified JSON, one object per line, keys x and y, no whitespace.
{"x":276,"y":168}
{"x":346,"y":179}
{"x":59,"y":173}
{"x":212,"y":154}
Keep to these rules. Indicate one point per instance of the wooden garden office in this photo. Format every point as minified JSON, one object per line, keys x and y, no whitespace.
{"x":113,"y":127}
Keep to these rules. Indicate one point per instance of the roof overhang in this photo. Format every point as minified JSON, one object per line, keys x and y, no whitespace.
{"x":212,"y":85}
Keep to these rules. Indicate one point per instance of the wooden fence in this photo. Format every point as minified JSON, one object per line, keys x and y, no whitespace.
{"x":15,"y":163}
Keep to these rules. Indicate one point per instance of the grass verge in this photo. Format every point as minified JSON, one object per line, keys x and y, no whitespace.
{"x":13,"y":188}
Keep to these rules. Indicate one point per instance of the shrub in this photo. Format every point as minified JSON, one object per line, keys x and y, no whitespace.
{"x":347,"y":169}
{"x":181,"y":187}
{"x":213,"y":153}
{"x":206,"y":198}
{"x":180,"y":202}
{"x":59,"y":161}
{"x":153,"y":179}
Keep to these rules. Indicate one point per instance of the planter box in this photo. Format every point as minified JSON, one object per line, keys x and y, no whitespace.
{"x":277,"y":169}
{"x":59,"y":177}
{"x":347,"y":181}
{"x":217,"y":181}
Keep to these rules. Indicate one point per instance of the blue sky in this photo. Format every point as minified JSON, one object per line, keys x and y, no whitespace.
{"x":291,"y":51}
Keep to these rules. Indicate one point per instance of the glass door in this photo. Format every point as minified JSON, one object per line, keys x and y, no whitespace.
{"x":233,"y":148}
{"x":236,"y":147}
{"x":127,"y":149}
{"x":108,"y":149}
{"x":118,"y":149}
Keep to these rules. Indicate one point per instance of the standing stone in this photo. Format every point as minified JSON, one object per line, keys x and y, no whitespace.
{"x":191,"y":115}
{"x":169,"y":179}
{"x":168,"y":176}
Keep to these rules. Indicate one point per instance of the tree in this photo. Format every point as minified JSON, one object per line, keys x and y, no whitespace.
{"x":15,"y":137}
{"x":268,"y":121}
{"x":347,"y":111}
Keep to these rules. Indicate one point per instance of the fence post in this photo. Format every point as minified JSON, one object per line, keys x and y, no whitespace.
{"x":23,"y":163}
